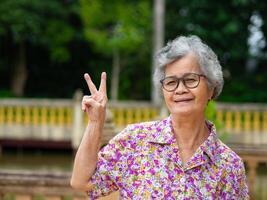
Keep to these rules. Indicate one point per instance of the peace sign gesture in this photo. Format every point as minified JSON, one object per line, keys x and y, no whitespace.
{"x":95,"y":104}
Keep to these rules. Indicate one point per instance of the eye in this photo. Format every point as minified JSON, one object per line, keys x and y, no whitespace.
{"x":170,"y":82}
{"x":190,"y":80}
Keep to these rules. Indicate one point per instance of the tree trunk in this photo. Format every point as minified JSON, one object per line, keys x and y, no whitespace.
{"x":158,"y":41}
{"x":20,"y":73}
{"x":115,"y":75}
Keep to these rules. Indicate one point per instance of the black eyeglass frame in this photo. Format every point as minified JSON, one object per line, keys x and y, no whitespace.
{"x":181,"y":79}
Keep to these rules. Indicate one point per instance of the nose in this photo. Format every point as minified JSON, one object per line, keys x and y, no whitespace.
{"x":181,"y":89}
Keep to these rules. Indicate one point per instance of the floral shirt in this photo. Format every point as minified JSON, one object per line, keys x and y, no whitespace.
{"x":143,"y":162}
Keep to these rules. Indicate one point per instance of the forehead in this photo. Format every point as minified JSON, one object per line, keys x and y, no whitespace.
{"x":186,"y":64}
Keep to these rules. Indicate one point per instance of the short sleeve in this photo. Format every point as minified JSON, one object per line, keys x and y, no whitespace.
{"x":110,"y":166}
{"x":241,"y":181}
{"x":234,"y":184}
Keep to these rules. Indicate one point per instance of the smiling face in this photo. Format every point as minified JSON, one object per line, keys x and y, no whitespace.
{"x":185,"y":101}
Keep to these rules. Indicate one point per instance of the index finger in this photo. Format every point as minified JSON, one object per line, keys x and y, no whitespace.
{"x":103,"y":83}
{"x":90,"y":83}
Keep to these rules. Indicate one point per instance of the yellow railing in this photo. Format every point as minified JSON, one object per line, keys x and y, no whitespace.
{"x":61,"y":113}
{"x":35,"y":112}
{"x":125,"y":113}
{"x":36,"y":119}
{"x":63,"y":120}
{"x":242,"y":118}
{"x":123,"y":116}
{"x":35,"y":115}
{"x":235,"y":118}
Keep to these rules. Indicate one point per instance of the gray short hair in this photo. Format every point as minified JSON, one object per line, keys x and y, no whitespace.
{"x":207,"y":59}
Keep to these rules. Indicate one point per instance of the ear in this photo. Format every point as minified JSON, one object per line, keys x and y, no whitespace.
{"x":211,"y":94}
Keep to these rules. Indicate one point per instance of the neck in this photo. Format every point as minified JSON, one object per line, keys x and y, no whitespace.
{"x":190,"y":132}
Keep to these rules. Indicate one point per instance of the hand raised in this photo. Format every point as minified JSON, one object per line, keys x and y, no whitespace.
{"x":95,"y":104}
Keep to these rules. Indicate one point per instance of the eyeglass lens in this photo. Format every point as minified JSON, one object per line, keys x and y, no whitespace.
{"x":189,"y":80}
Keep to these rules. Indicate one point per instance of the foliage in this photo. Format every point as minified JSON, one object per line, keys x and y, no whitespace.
{"x":38,"y":22}
{"x":58,"y":53}
{"x":5,"y":93}
{"x":135,"y":77}
{"x":210,"y":114}
{"x":117,"y":24}
{"x":119,"y":29}
{"x":224,"y":26}
{"x":55,"y":47}
{"x":246,"y":88}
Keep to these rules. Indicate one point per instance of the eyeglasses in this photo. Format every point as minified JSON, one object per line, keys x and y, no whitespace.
{"x":190,"y":80}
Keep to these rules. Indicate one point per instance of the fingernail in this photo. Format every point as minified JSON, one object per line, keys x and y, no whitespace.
{"x":86,"y":75}
{"x":104,"y":74}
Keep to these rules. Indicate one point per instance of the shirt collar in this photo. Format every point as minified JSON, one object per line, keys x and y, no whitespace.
{"x":209,"y":146}
{"x":162,"y":133}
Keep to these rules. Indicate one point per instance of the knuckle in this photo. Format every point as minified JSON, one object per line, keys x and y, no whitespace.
{"x":84,"y":101}
{"x":84,"y":98}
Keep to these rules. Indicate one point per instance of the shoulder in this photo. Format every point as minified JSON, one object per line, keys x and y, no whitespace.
{"x":228,"y":159}
{"x":130,"y":139}
{"x":233,"y":173}
{"x":136,"y":133}
{"x":142,"y":129}
{"x":224,"y":155}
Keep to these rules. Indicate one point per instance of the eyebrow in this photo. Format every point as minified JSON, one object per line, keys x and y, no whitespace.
{"x":174,"y":76}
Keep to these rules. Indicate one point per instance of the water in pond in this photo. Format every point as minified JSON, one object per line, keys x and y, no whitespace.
{"x":37,"y":160}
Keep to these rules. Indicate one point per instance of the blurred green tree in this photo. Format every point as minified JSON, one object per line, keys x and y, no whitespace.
{"x":26,"y":22}
{"x":224,"y":25}
{"x":50,"y":38}
{"x":116,"y":28}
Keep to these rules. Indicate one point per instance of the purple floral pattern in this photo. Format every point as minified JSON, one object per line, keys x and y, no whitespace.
{"x":143,"y":162}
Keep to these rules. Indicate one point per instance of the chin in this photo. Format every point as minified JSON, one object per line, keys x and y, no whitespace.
{"x":180,"y":111}
{"x":177,"y":108}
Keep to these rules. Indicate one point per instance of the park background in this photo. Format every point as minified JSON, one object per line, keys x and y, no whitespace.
{"x":47,"y":46}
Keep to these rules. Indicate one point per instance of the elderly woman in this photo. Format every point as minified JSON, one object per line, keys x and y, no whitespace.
{"x":179,"y":157}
